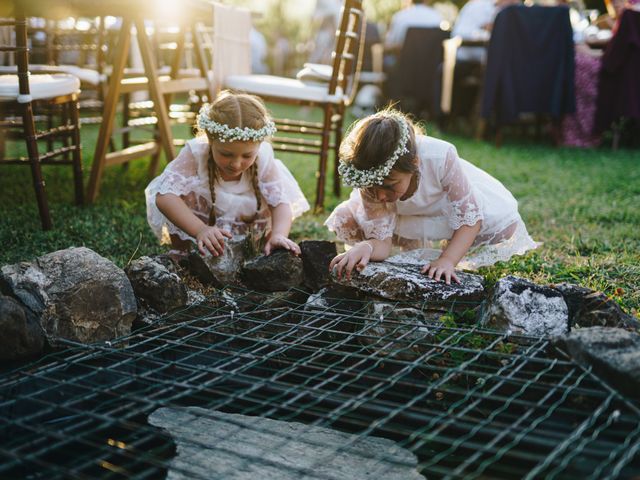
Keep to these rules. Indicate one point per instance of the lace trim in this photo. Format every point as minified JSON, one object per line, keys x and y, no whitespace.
{"x":378,"y":230}
{"x":464,"y":213}
{"x":274,"y":194}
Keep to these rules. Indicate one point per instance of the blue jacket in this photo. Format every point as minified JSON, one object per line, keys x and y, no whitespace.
{"x":530,"y":64}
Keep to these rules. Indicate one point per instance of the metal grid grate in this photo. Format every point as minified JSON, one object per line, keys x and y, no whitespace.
{"x":469,"y":403}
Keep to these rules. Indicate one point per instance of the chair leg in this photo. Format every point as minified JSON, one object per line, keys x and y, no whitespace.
{"x":77,"y":152}
{"x":65,"y":118}
{"x":34,"y":161}
{"x":126,"y":99}
{"x":336,"y":154}
{"x":50,"y":111}
{"x":155,"y":158}
{"x":324,"y":152}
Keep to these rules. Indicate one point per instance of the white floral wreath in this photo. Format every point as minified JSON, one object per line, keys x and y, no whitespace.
{"x":353,"y":177}
{"x":226,"y":134}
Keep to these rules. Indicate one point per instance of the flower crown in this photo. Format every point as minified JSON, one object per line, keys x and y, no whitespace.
{"x":353,"y":177}
{"x":226,"y":134}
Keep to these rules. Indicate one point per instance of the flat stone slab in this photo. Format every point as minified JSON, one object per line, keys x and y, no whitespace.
{"x":614,"y":354}
{"x":212,"y":444}
{"x":403,"y":281}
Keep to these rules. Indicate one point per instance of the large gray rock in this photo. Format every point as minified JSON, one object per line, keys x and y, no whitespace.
{"x":270,"y":273}
{"x":222,"y":270}
{"x":518,"y":306}
{"x":316,"y":257}
{"x":21,"y":337}
{"x":213,"y":444}
{"x":403,"y":281}
{"x":75,"y":293}
{"x":401,"y":332}
{"x":156,"y":284}
{"x":614,"y":354}
{"x":588,"y":308}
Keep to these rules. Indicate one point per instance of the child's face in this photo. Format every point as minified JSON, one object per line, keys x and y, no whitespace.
{"x":233,"y":158}
{"x":394,"y":187}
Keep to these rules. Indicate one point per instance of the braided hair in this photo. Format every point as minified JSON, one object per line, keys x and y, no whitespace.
{"x":235,"y":110}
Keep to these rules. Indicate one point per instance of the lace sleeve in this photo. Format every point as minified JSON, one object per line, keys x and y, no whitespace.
{"x":361,"y":218}
{"x":180,"y":177}
{"x":276,"y":183}
{"x":466,"y":207}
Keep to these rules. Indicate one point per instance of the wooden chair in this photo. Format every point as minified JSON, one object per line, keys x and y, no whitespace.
{"x":18,"y":94}
{"x":160,"y":87}
{"x":332,"y":96}
{"x":76,"y":47}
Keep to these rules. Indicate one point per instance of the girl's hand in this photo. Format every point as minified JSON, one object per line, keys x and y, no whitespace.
{"x":277,"y":241}
{"x":212,"y":239}
{"x":439,"y":267}
{"x":358,"y":256}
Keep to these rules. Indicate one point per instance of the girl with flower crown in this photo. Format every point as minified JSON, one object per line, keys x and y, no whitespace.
{"x":412,"y":190}
{"x":226,"y":181}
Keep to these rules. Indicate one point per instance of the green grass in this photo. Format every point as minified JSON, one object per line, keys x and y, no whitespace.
{"x":583,"y":204}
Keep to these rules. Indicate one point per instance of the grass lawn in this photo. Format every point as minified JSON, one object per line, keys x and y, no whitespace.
{"x":583,"y":204}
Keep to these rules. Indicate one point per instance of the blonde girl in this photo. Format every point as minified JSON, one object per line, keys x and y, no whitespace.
{"x":226,"y":181}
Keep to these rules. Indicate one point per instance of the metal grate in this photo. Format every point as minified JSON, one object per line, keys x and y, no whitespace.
{"x":469,"y":403}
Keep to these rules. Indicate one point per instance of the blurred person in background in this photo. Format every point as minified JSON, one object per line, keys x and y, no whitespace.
{"x":418,"y":14}
{"x":325,"y":20}
{"x":259,"y":52}
{"x":473,"y":23}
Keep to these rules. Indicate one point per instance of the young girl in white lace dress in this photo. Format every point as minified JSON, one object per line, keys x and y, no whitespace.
{"x":412,"y":190}
{"x":226,"y":181}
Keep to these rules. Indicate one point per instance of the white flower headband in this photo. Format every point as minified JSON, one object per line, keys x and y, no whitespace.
{"x":353,"y":177}
{"x":226,"y":134}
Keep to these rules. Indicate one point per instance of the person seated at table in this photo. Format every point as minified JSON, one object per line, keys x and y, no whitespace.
{"x":578,"y":128}
{"x":226,"y":181}
{"x":418,"y":14}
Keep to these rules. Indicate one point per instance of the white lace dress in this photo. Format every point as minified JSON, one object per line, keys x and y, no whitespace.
{"x":236,"y":206}
{"x":451,"y":192}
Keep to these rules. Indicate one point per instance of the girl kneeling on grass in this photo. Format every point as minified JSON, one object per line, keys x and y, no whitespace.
{"x":226,"y":181}
{"x":412,"y":189}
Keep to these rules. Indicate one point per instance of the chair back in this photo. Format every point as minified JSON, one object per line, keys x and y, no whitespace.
{"x":20,"y":52}
{"x":231,"y":42}
{"x":347,"y":56}
{"x":417,"y":69}
{"x":530,"y":64}
{"x":80,"y":42}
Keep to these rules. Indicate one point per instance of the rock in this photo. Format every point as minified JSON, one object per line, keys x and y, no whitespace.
{"x":156,"y":285}
{"x":211,"y":444}
{"x":330,"y":316}
{"x":588,"y":308}
{"x":518,"y":306}
{"x":316,"y":257}
{"x":614,"y":354}
{"x":398,"y":331}
{"x":223,"y":270}
{"x":22,"y":337}
{"x":279,"y":271}
{"x":403,"y":281}
{"x":75,"y":293}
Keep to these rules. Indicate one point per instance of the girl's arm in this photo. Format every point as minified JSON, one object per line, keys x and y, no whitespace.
{"x":359,"y":256}
{"x":174,"y":208}
{"x":207,"y":237}
{"x":281,"y":218}
{"x":458,"y":246}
